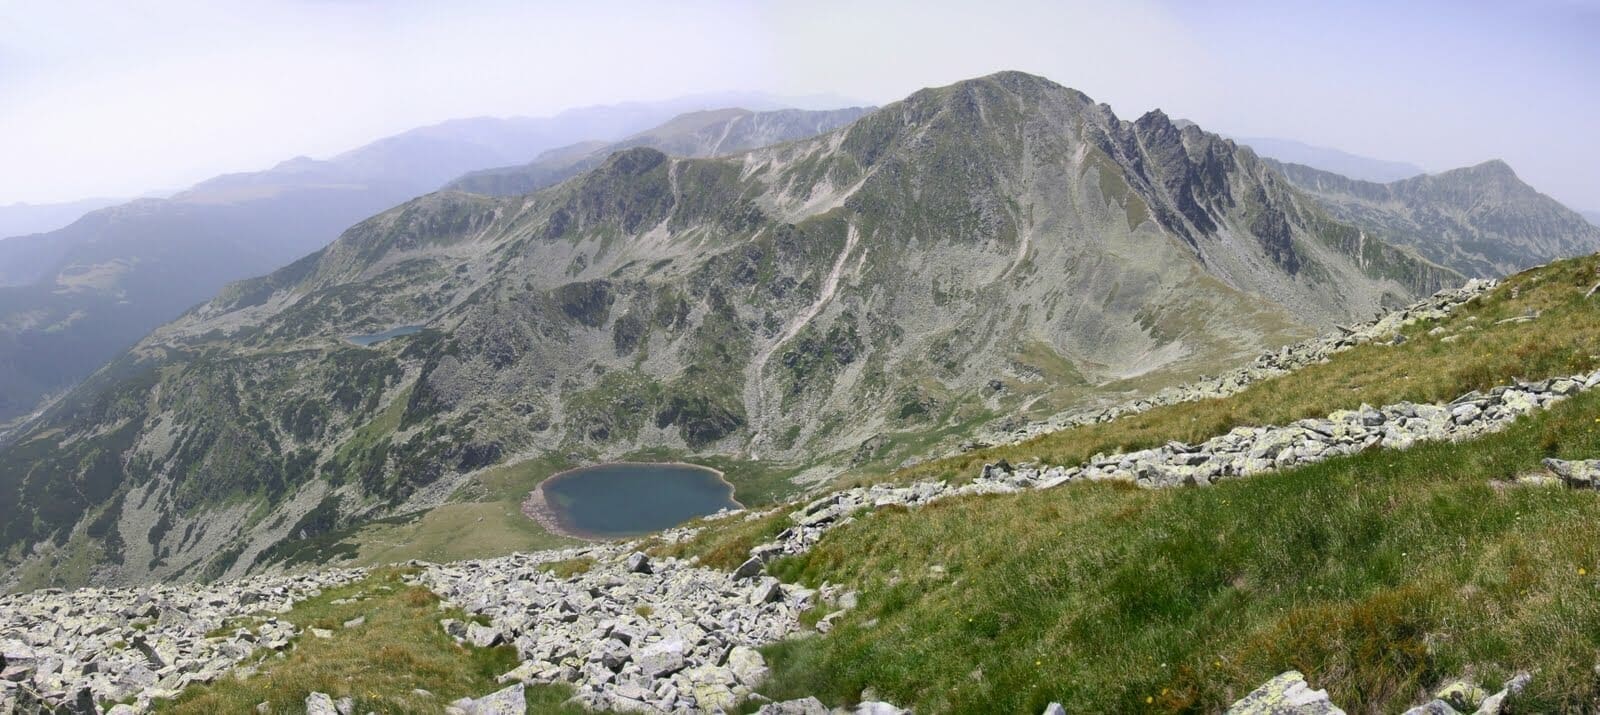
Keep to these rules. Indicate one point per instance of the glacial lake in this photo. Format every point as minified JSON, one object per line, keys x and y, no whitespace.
{"x":630,"y":499}
{"x":375,"y":338}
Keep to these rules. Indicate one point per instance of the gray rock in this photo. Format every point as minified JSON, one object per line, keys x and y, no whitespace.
{"x":483,"y":636}
{"x":1287,"y":694}
{"x":1054,"y":709}
{"x":751,"y":568}
{"x":509,"y":701}
{"x":748,"y":666}
{"x":803,"y":706}
{"x":661,"y":659}
{"x":638,"y":563}
{"x":1433,"y":707}
{"x":320,"y":704}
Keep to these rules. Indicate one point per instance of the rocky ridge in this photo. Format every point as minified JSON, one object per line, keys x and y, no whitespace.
{"x":68,"y":651}
{"x":1272,"y":364}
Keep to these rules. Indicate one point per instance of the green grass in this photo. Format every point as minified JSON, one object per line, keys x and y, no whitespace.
{"x":1380,"y":576}
{"x":400,"y":648}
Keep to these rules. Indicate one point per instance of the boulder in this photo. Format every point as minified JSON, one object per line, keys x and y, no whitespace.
{"x":483,"y":636}
{"x":1287,"y":694}
{"x":638,"y":563}
{"x":320,"y":704}
{"x":803,"y":706}
{"x":1462,"y":695}
{"x":748,"y":666}
{"x":1433,"y":707}
{"x":661,"y":659}
{"x":751,"y":568}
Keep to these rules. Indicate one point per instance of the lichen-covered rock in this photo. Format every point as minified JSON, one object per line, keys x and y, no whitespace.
{"x":1462,"y":695}
{"x":1287,"y":694}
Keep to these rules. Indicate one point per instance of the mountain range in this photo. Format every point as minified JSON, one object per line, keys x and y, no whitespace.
{"x":26,"y":218}
{"x":1339,"y":162}
{"x":73,"y":298}
{"x":996,"y":247}
{"x":1481,"y":220}
{"x":696,"y":134}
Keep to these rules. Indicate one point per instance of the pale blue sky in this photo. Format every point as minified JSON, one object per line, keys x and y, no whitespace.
{"x":119,"y":98}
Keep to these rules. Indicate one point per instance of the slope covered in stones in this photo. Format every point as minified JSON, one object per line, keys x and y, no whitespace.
{"x":1395,"y":556}
{"x":998,"y":246}
{"x":1481,"y":220}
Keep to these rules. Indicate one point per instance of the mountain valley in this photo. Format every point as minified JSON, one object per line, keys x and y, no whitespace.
{"x":999,"y":247}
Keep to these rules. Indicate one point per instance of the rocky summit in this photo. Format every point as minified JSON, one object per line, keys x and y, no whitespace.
{"x":1003,"y":245}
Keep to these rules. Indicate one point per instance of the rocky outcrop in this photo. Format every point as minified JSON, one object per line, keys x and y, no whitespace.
{"x":71,"y":650}
{"x":1288,"y":694}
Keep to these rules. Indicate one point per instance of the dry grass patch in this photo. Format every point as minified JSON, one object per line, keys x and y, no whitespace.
{"x":381,"y":663}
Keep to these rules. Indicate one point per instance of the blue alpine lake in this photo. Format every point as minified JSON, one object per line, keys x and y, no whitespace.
{"x":375,"y":338}
{"x":629,"y":499}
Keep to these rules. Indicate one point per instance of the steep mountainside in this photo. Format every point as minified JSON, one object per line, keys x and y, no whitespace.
{"x":1343,"y":163}
{"x":73,"y":298}
{"x":1481,"y":221}
{"x":992,"y":247}
{"x":698,"y":134}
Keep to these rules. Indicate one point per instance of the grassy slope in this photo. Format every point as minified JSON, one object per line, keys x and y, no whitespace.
{"x":400,"y":648}
{"x":1379,"y":575}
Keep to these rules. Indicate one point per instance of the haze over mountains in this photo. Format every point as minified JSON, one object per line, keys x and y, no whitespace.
{"x":72,"y":298}
{"x":1339,"y":162}
{"x":697,"y":134}
{"x":992,"y":247}
{"x":23,"y":218}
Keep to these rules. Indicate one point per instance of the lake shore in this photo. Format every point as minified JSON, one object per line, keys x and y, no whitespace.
{"x":538,"y":508}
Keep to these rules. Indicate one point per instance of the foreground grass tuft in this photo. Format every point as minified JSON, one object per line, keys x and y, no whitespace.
{"x":1380,"y":576}
{"x":399,"y":649}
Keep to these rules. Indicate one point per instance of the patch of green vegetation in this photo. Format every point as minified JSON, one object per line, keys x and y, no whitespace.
{"x":726,"y":543}
{"x":568,"y":567}
{"x":1380,"y":576}
{"x":380,"y":664}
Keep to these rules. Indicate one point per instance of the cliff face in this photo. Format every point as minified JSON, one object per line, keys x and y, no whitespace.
{"x":1000,"y":246}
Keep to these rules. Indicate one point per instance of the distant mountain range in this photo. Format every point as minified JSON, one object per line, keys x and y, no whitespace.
{"x":23,"y":218}
{"x":697,"y":134}
{"x":999,"y":246}
{"x":1481,"y":220}
{"x":1339,"y":162}
{"x":72,"y":298}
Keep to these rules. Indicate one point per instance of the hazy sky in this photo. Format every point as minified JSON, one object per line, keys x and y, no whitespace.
{"x":121,"y":98}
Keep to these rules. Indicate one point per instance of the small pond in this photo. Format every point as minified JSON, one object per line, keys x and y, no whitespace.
{"x":629,"y":499}
{"x":375,"y":338}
